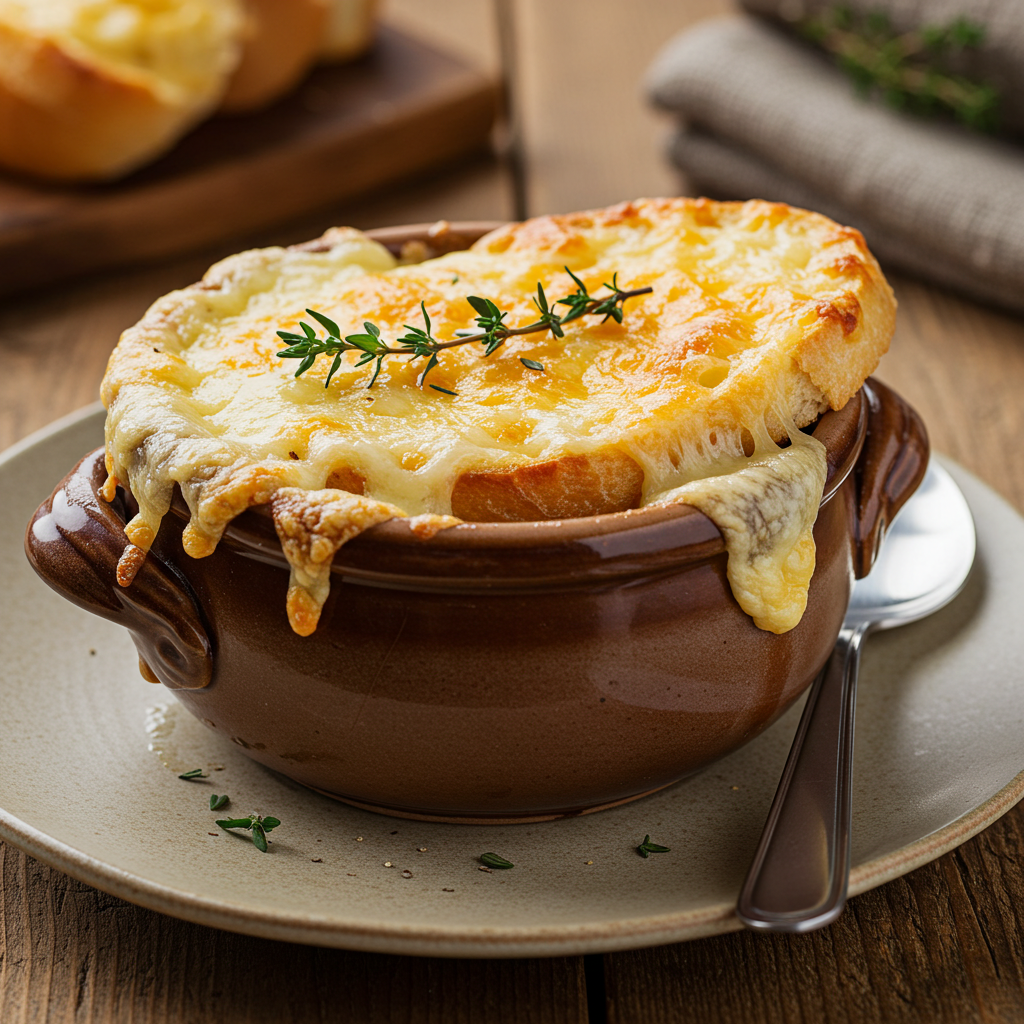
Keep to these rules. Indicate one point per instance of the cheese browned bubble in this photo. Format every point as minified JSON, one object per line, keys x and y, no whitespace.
{"x":761,"y":317}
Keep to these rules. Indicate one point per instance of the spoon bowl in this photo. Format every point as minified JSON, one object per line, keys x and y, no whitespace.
{"x":925,"y":561}
{"x":798,"y":879}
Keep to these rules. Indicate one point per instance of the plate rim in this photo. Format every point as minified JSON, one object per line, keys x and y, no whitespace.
{"x":457,"y":941}
{"x":477,"y":943}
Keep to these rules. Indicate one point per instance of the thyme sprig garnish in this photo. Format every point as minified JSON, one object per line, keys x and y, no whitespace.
{"x":419,"y":343}
{"x":256,"y":824}
{"x":910,"y":70}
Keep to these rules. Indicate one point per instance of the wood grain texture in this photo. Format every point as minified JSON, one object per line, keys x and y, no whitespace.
{"x":962,"y":365}
{"x":589,"y":135}
{"x":591,"y":140}
{"x":70,"y":954}
{"x":943,"y":944}
{"x":392,"y":114}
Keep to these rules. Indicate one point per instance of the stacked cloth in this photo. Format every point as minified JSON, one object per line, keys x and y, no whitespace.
{"x":764,"y":113}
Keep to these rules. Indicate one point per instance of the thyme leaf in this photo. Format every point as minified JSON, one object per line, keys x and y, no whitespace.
{"x":256,"y":824}
{"x":646,"y":848}
{"x":217,"y":802}
{"x":492,"y":860}
{"x":195,"y":773}
{"x":259,"y":837}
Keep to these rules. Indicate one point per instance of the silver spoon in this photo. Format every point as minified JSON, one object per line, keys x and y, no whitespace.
{"x":799,"y":876}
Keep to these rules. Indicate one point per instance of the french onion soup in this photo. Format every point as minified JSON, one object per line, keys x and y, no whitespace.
{"x":664,"y":350}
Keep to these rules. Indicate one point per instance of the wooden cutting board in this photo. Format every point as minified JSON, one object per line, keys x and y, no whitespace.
{"x":402,"y":108}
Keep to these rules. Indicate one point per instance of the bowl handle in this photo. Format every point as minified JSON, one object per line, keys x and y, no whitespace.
{"x":74,"y":542}
{"x":892,"y":464}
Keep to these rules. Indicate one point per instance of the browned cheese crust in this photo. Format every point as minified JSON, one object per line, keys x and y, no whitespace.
{"x":760,"y":317}
{"x":842,"y":337}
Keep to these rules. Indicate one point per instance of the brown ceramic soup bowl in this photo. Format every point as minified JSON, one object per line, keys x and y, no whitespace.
{"x":496,"y":671}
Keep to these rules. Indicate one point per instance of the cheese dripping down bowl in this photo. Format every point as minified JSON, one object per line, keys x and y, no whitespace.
{"x":502,"y":670}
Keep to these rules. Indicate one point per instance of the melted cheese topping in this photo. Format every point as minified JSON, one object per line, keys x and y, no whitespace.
{"x":311,"y":528}
{"x":761,"y":317}
{"x":765,"y":507}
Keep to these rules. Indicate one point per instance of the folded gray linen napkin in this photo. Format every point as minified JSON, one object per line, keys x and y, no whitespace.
{"x":723,"y":171}
{"x":998,"y":60}
{"x":768,"y":116}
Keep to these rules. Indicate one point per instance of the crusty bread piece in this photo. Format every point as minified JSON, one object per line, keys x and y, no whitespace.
{"x":795,"y":332}
{"x":94,"y":89}
{"x":762,"y":316}
{"x":281,"y":41}
{"x":602,"y":481}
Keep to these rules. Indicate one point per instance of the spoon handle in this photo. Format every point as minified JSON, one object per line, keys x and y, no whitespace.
{"x":798,"y":879}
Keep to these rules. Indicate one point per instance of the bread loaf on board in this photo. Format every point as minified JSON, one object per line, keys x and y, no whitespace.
{"x":92,"y":89}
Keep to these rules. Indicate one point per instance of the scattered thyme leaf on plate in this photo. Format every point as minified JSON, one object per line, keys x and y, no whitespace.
{"x":217,"y":802}
{"x":195,"y":773}
{"x":532,"y":364}
{"x":646,"y":848}
{"x":256,"y":824}
{"x":492,"y":860}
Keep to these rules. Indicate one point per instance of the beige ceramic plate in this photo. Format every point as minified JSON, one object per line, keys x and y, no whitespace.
{"x":85,"y":788}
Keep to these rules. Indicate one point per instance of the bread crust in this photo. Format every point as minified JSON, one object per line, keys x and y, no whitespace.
{"x":281,"y":41}
{"x":853,"y":329}
{"x":65,"y":118}
{"x":567,"y":488}
{"x":68,"y":113}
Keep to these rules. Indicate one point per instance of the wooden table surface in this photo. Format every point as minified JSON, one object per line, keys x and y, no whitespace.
{"x":945,"y":943}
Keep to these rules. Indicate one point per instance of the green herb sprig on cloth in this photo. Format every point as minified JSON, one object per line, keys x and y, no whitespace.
{"x":256,"y":824}
{"x":419,"y":343}
{"x":911,"y":70}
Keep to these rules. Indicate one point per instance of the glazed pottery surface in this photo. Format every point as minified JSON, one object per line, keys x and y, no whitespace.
{"x":88,"y":750}
{"x":497,"y":671}
{"x":592,"y":661}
